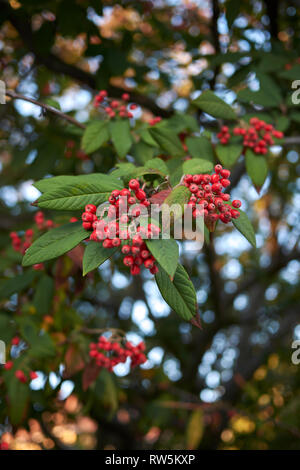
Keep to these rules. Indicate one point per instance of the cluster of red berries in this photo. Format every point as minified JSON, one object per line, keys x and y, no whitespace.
{"x":154,"y":121}
{"x":70,"y":151}
{"x":116,"y":227}
{"x":207,"y":192}
{"x":41,"y":222}
{"x":258,"y":136}
{"x":108,"y":354}
{"x":114,"y":108}
{"x":21,"y":244}
{"x":19,"y":374}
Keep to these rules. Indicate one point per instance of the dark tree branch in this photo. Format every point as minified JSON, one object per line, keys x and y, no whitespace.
{"x":18,"y":96}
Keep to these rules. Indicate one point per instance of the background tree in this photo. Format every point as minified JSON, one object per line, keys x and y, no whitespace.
{"x":231,"y":384}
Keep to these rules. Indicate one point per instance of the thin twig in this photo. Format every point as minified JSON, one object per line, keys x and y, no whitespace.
{"x":18,"y":96}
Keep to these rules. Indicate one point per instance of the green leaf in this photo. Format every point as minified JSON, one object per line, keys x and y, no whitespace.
{"x":168,"y":141}
{"x":195,"y":429}
{"x":200,"y":147}
{"x":41,"y":344}
{"x":268,"y":95}
{"x":179,"y":195}
{"x":270,"y":88}
{"x":174,"y":170}
{"x":243,"y":225}
{"x":106,"y":391}
{"x":16,"y":284}
{"x":43,"y":296}
{"x":180,"y":294}
{"x":106,"y":181}
{"x":95,"y":135}
{"x":157,"y":164}
{"x":74,"y":197}
{"x":121,"y":136}
{"x":257,"y":168}
{"x":53,"y":103}
{"x":95,"y":255}
{"x":7,"y":328}
{"x":214,"y":106}
{"x":55,"y":243}
{"x":18,"y":394}
{"x":166,"y":252}
{"x":196,"y":166}
{"x":228,"y":154}
{"x":142,"y":152}
{"x":182,"y":121}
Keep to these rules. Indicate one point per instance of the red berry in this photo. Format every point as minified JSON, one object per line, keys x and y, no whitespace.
{"x":225,"y":173}
{"x":87,"y":217}
{"x":126,"y":249}
{"x":116,"y":242}
{"x":236,"y":203}
{"x":107,"y":243}
{"x":38,"y":267}
{"x":193,"y":188}
{"x":135,"y":270}
{"x":137,"y":240}
{"x":87,"y":225}
{"x":225,"y":183}
{"x":125,"y":192}
{"x":140,"y":195}
{"x":235,"y":214}
{"x":149,"y":263}
{"x":91,"y":208}
{"x":20,"y":376}
{"x":33,"y":375}
{"x":134,"y":184}
{"x":128,"y":260}
{"x":8,"y":365}
{"x":15,"y":341}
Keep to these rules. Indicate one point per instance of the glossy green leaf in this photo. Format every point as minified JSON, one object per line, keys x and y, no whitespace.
{"x":257,"y":168}
{"x":168,"y":141}
{"x":243,"y":225}
{"x":95,"y":255}
{"x":228,"y":154}
{"x":55,"y":243}
{"x":179,"y":294}
{"x":95,"y":135}
{"x":166,"y":252}
{"x":200,"y":147}
{"x":196,"y":166}
{"x":214,"y":106}
{"x":121,"y":136}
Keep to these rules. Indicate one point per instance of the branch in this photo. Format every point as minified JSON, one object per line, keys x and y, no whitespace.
{"x":17,"y":96}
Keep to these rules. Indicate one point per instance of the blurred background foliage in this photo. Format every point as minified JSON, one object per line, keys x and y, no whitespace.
{"x":231,"y":385}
